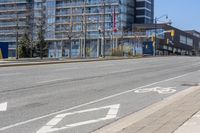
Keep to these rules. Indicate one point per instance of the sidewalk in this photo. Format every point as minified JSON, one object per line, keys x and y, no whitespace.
{"x":167,"y":116}
{"x":37,"y":61}
{"x":191,"y":126}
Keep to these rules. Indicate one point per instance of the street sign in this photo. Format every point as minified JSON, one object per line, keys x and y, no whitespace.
{"x":159,"y":32}
{"x":50,"y":126}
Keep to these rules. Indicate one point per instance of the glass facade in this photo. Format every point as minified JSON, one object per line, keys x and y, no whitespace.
{"x":12,"y":13}
{"x":72,"y":27}
{"x":85,"y":21}
{"x":144,"y":11}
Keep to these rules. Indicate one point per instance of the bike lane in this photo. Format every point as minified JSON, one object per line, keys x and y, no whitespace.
{"x":96,"y":114}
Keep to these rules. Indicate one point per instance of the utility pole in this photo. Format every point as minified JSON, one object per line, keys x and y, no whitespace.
{"x":104,"y":27}
{"x":17,"y":32}
{"x":70,"y":34}
{"x":42,"y":26}
{"x":155,"y":30}
{"x":155,"y":43}
{"x":85,"y":29}
{"x":82,"y":32}
{"x":30,"y":25}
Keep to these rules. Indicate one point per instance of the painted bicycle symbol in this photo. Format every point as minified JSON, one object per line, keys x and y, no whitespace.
{"x":160,"y":90}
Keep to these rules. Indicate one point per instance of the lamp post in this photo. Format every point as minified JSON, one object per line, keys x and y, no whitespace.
{"x":17,"y":32}
{"x":85,"y":29}
{"x":155,"y":30}
{"x":101,"y":46}
{"x":104,"y":27}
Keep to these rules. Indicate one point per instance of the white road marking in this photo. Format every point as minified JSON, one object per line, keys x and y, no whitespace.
{"x":124,"y":70}
{"x":71,"y":68}
{"x":160,"y":90}
{"x":74,"y":68}
{"x":49,"y":127}
{"x":54,"y":80}
{"x":91,"y":102}
{"x":106,"y":65}
{"x":3,"y":106}
{"x":9,"y":74}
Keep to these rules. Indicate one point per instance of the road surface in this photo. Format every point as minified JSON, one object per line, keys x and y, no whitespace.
{"x":83,"y":97}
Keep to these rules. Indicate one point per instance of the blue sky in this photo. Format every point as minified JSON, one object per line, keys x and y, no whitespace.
{"x":185,"y":14}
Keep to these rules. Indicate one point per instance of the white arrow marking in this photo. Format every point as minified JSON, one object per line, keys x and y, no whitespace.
{"x":112,"y":113}
{"x":3,"y":106}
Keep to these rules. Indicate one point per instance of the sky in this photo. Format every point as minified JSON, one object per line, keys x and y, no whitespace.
{"x":184,"y":14}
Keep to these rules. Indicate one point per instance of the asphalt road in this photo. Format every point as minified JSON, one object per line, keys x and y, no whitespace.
{"x":82,"y":97}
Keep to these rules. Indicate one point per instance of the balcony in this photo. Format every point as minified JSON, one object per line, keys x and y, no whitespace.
{"x":8,"y":2}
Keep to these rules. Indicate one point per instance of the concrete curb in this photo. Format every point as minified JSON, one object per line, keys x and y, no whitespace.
{"x":127,"y":121}
{"x":62,"y":62}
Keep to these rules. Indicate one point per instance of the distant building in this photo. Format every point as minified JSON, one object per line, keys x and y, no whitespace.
{"x":73,"y":28}
{"x":183,"y":42}
{"x":13,"y":13}
{"x":196,"y":34}
{"x":144,"y":11}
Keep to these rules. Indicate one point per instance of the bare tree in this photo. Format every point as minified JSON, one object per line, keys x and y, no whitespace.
{"x":41,"y":46}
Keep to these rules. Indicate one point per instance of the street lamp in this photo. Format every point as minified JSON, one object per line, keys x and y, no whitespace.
{"x":155,"y":30}
{"x":104,"y":28}
{"x":17,"y":32}
{"x":101,"y":38}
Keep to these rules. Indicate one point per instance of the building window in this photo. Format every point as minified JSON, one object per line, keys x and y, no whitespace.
{"x":183,"y":39}
{"x":189,"y":41}
{"x":199,"y":45}
{"x":186,"y":40}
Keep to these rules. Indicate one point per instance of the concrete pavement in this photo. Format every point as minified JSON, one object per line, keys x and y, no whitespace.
{"x":47,"y":61}
{"x":190,"y":126}
{"x":83,"y":97}
{"x":166,"y":116}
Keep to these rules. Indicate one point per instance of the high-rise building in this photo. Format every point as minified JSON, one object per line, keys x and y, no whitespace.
{"x":73,"y":27}
{"x":13,"y":20}
{"x":144,"y":11}
{"x":83,"y":26}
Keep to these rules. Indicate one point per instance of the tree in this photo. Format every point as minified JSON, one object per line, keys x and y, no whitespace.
{"x":24,"y":46}
{"x":41,"y":46}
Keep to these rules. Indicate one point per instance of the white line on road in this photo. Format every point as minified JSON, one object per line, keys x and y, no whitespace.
{"x":70,"y":68}
{"x":3,"y":106}
{"x":89,"y":103}
{"x":74,"y":68}
{"x":9,"y":74}
{"x":105,"y":65}
{"x":160,"y":90}
{"x":49,"y":127}
{"x":54,"y":80}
